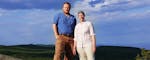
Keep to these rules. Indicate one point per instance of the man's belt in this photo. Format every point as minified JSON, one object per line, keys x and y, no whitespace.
{"x":68,"y":35}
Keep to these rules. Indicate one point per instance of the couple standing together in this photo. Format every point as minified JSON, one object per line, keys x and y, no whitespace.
{"x":71,"y":37}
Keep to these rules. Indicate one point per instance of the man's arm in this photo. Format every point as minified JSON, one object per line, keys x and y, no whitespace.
{"x":55,"y":29}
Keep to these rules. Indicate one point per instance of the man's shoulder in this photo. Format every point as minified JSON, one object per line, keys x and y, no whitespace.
{"x":72,"y":15}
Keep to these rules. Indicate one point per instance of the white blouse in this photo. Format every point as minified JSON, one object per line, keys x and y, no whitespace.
{"x":83,"y":32}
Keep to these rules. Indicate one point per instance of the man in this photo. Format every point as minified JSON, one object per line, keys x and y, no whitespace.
{"x":63,"y":26}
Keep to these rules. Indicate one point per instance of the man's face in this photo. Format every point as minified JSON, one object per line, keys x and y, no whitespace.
{"x":66,"y":8}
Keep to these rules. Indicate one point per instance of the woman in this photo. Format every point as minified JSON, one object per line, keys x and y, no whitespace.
{"x":84,"y":38}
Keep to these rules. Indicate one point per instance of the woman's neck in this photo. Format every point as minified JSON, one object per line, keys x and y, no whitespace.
{"x":82,"y":21}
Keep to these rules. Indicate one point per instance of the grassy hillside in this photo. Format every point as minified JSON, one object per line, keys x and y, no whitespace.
{"x":28,"y":52}
{"x":45,"y":52}
{"x":116,"y":53}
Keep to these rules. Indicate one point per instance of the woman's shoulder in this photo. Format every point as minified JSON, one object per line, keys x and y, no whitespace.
{"x":88,"y":22}
{"x":78,"y":24}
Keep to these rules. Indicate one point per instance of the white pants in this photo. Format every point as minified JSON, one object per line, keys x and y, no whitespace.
{"x":85,"y":53}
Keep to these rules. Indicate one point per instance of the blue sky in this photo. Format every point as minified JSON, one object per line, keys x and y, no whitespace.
{"x":116,"y":22}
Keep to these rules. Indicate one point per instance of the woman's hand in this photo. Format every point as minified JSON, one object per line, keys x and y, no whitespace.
{"x":93,"y":44}
{"x":74,"y":48}
{"x":74,"y":51}
{"x":94,"y":49}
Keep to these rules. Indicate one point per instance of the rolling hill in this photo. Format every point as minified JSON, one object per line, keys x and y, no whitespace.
{"x":46,"y":52}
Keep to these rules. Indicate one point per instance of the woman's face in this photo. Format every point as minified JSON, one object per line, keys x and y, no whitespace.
{"x":81,"y":16}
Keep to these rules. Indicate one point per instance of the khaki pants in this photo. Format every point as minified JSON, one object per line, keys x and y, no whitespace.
{"x":85,"y":53}
{"x":63,"y":48}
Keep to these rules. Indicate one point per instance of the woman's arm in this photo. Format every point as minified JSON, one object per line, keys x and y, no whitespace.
{"x":93,"y":43}
{"x":92,"y":37}
{"x":74,"y":48}
{"x":75,"y":39}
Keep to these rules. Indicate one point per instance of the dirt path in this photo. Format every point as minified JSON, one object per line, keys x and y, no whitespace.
{"x":5,"y":57}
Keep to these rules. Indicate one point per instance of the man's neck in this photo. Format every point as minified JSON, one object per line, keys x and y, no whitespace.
{"x":67,"y":14}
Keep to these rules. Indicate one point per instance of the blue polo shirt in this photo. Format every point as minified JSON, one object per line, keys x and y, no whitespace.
{"x":65,"y":24}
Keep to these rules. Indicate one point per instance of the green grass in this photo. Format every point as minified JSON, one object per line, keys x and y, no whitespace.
{"x":46,"y":52}
{"x":28,"y":52}
{"x":116,"y":53}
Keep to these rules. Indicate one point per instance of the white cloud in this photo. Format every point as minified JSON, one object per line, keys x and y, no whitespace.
{"x":14,"y":1}
{"x":35,"y":24}
{"x":118,"y":21}
{"x":111,"y":9}
{"x":1,"y":14}
{"x":27,"y":26}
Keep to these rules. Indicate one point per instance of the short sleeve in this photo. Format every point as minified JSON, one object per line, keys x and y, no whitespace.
{"x":75,"y":22}
{"x":55,"y":19}
{"x":91,"y":29}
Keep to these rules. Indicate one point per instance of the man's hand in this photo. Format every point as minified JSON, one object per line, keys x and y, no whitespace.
{"x":56,"y":36}
{"x":55,"y":31}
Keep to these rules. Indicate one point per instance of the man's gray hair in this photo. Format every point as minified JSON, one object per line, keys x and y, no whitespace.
{"x":67,"y":3}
